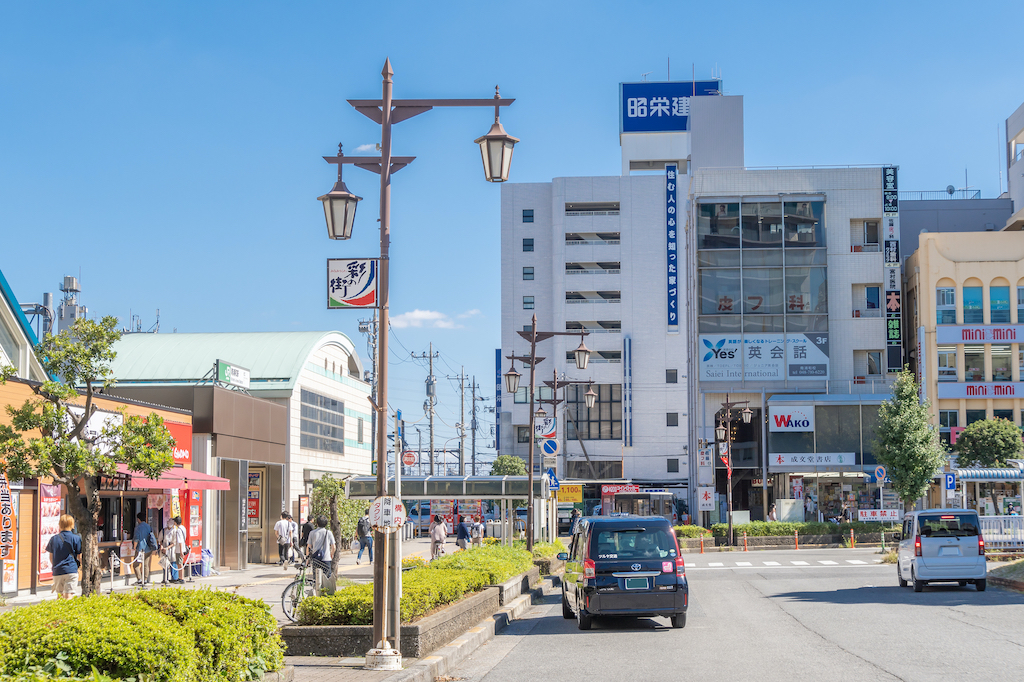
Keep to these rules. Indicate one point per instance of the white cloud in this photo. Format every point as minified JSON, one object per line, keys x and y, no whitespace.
{"x":423,"y":318}
{"x":363,"y":148}
{"x":469,"y":313}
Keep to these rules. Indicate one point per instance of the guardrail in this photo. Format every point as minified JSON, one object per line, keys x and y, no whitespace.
{"x":1003,"y":532}
{"x":941,"y":194}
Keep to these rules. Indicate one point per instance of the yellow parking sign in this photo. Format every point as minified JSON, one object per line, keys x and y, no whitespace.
{"x":570,"y":493}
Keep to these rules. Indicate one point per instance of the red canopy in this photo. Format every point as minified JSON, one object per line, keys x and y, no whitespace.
{"x":176,"y":478}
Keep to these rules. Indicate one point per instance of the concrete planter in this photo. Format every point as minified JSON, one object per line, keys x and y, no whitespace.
{"x":548,"y":565}
{"x":518,"y":585}
{"x":686,"y":544}
{"x":418,"y":639}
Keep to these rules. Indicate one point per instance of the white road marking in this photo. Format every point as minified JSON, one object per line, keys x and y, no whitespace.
{"x":828,"y":563}
{"x":771,"y":563}
{"x":799,"y":563}
{"x":715,"y":565}
{"x":855,"y":561}
{"x":743,"y":563}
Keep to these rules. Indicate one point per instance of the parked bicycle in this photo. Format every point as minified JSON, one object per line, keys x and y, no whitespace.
{"x":300,"y":588}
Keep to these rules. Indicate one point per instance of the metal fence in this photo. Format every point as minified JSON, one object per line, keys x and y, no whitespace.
{"x":1003,"y":532}
{"x":940,"y":194}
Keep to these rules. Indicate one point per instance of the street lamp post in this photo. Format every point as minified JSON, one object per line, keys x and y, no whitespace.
{"x":582,"y":357}
{"x":724,"y":433}
{"x":339,"y":210}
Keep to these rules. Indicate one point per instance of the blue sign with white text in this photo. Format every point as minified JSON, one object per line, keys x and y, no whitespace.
{"x":950,"y":481}
{"x":660,"y":107}
{"x":672,"y":244}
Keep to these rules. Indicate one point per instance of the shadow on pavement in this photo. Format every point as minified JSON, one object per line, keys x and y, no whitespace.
{"x":940,"y":594}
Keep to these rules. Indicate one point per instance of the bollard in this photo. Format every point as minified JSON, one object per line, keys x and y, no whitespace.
{"x":796,"y":538}
{"x":744,"y":541}
{"x":702,"y":543}
{"x":853,"y":540}
{"x":111,"y":573}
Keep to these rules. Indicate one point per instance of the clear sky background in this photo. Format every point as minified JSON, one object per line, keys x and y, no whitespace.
{"x":171,"y":151}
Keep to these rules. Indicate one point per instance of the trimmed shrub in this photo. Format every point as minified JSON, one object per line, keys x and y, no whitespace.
{"x":117,"y":634}
{"x":547,"y":549}
{"x":690,"y":531}
{"x":776,"y":528}
{"x":499,"y":562}
{"x":413,"y":562}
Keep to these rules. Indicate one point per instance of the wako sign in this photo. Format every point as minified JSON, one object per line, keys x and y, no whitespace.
{"x":660,"y":107}
{"x":791,"y":418}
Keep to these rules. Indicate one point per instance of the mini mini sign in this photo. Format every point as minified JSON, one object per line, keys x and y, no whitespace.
{"x":352,"y":282}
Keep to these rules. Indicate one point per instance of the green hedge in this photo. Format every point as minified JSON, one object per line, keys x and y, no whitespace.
{"x":545,"y":549}
{"x":499,"y":562}
{"x":690,"y":531}
{"x":169,"y":635}
{"x":775,"y":528}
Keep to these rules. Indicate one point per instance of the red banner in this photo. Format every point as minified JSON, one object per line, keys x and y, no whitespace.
{"x":49,"y":525}
{"x":182,"y":434}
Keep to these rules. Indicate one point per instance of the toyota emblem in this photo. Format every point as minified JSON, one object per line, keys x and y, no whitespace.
{"x":636,"y":567}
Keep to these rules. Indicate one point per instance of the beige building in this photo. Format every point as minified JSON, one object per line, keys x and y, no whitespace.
{"x":964,"y":316}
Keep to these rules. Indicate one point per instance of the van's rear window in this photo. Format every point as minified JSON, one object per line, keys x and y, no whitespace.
{"x":948,"y":525}
{"x":633,"y":543}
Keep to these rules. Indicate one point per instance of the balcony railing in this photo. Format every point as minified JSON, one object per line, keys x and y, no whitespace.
{"x":598,"y":271}
{"x":867,"y":312}
{"x":593,"y":300}
{"x":594,"y":330}
{"x":866,"y":248}
{"x":594,"y":242}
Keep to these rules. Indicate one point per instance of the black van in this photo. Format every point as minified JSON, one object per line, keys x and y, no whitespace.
{"x":624,"y":566}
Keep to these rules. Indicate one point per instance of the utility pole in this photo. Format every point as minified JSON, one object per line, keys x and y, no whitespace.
{"x":428,"y":404}
{"x":462,"y":420}
{"x":369,"y":327}
{"x":472,"y":428}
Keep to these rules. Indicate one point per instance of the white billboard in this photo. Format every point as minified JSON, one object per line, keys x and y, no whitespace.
{"x":791,"y":418}
{"x":764,"y":357}
{"x":811,"y":461}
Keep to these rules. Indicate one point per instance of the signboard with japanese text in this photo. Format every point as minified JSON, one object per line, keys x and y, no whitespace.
{"x":8,"y":533}
{"x":49,"y":525}
{"x":233,"y":375}
{"x":660,"y":107}
{"x":721,"y":357}
{"x":922,"y":365}
{"x":791,"y":418}
{"x":545,"y":428}
{"x":764,"y":357}
{"x":672,"y":215}
{"x":1001,"y":333}
{"x":890,"y":190}
{"x":182,"y":435}
{"x":705,"y":498}
{"x":614,"y":489}
{"x":570,"y":493}
{"x":807,"y":356}
{"x":386,"y":514}
{"x":810,"y":461}
{"x":497,"y":399}
{"x":879,"y":514}
{"x":891,"y":268}
{"x":352,"y":282}
{"x":253,"y":503}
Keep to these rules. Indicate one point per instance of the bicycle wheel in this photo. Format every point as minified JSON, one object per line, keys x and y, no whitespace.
{"x":292,"y":595}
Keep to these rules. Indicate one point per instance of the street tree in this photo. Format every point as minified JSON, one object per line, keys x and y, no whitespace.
{"x":508,"y":465}
{"x":906,"y":444}
{"x":989,"y":443}
{"x":328,"y":499}
{"x":53,"y":435}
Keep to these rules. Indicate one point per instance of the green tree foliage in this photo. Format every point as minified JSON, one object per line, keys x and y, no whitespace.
{"x":989,"y":443}
{"x":508,"y":465}
{"x":328,"y":499}
{"x":48,"y":438}
{"x":906,"y":444}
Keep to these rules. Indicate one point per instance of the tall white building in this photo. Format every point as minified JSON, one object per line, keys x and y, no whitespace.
{"x":698,"y":278}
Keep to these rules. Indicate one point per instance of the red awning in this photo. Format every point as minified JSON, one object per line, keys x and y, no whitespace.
{"x":176,"y":478}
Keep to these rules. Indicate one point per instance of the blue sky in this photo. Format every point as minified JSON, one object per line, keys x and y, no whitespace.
{"x":172,"y":151}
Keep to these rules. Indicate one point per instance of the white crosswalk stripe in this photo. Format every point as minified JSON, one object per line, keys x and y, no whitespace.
{"x":743,"y":563}
{"x":771,"y":563}
{"x":855,"y":561}
{"x":715,"y":565}
{"x":828,"y":563}
{"x":799,"y":563}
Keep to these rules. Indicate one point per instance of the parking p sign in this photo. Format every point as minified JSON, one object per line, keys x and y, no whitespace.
{"x":950,"y":481}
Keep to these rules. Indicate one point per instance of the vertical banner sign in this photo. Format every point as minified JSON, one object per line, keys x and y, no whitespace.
{"x":627,"y":392}
{"x":352,"y":282}
{"x":8,"y":536}
{"x":671,"y":213}
{"x":497,"y":400}
{"x":922,"y":365}
{"x":49,"y":525}
{"x":891,"y":266}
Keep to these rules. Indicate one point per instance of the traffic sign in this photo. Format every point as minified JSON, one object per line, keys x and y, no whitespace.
{"x":386,"y":514}
{"x":950,"y":481}
{"x":549,"y":447}
{"x":408,"y":458}
{"x":552,"y":480}
{"x":880,"y":473}
{"x":705,"y":499}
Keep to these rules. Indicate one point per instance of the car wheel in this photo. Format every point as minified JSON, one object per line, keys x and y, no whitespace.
{"x":981,"y":584}
{"x":962,"y":583}
{"x":679,"y":620}
{"x":583,"y":621}
{"x":918,"y":584}
{"x":899,"y":573}
{"x":566,"y":611}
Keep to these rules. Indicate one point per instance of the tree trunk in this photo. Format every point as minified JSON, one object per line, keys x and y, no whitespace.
{"x":85,"y":521}
{"x":336,"y":532}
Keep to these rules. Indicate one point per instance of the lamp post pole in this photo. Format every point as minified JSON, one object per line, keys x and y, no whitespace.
{"x":724,"y":433}
{"x":339,"y":207}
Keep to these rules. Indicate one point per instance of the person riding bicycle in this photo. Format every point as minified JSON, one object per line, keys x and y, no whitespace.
{"x":438,"y":535}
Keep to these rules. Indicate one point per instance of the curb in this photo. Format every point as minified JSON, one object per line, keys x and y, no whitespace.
{"x":1006,"y":582}
{"x":285,"y":674}
{"x":448,"y":657}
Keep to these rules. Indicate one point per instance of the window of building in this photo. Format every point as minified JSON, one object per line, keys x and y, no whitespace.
{"x":671,"y":376}
{"x":527,"y":215}
{"x":671,"y":419}
{"x":973,"y":309}
{"x":1001,"y":362}
{"x":974,"y":363}
{"x":720,"y":292}
{"x":945,"y":305}
{"x":523,"y":434}
{"x":522,"y":395}
{"x":999,"y":305}
{"x":874,"y":362}
{"x":673,"y":466}
{"x":1020,"y":305}
{"x":947,"y":363}
{"x":718,"y":226}
{"x":322,"y":423}
{"x":873,"y":296}
{"x":527,"y":273}
{"x":527,"y":302}
{"x":527,"y":244}
{"x":762,"y":290}
{"x":947,"y":420}
{"x":1003,"y":414}
{"x":603,"y":421}
{"x":359,"y":430}
{"x":805,"y":225}
{"x":975,"y":416}
{"x":871,"y":232}
{"x":806,"y":291}
{"x":762,"y":224}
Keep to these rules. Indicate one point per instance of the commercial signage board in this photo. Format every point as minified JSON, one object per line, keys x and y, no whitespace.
{"x":352,"y":282}
{"x":497,"y":399}
{"x":660,"y":107}
{"x":672,"y":215}
{"x":705,"y":458}
{"x":891,"y":266}
{"x":8,"y":534}
{"x":615,"y":488}
{"x":570,"y":493}
{"x":977,"y":389}
{"x":922,"y":365}
{"x":810,"y":461}
{"x":408,"y":458}
{"x":233,"y":375}
{"x":705,"y":498}
{"x":182,"y":435}
{"x":990,"y":333}
{"x":791,"y":418}
{"x":764,"y":357}
{"x":49,"y":525}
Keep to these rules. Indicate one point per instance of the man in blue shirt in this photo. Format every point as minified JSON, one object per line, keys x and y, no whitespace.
{"x":462,"y":536}
{"x":65,"y":550}
{"x":144,"y":542}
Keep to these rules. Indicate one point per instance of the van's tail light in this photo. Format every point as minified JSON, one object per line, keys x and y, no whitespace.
{"x":917,"y":545}
{"x":589,"y":568}
{"x":981,"y":545}
{"x":680,"y":565}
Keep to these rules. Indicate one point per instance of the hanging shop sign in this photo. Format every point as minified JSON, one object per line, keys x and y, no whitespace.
{"x":352,"y":282}
{"x":232,"y":375}
{"x":891,"y":274}
{"x":545,"y":428}
{"x":182,"y":435}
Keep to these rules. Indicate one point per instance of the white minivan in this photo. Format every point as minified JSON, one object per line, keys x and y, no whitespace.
{"x":941,"y":545}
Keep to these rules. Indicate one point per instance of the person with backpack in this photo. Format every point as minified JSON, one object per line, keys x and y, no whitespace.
{"x":476,"y":530}
{"x":321,"y":551}
{"x":145,"y":544}
{"x":462,"y":535}
{"x":283,"y":531}
{"x":364,"y":533}
{"x":307,"y":528}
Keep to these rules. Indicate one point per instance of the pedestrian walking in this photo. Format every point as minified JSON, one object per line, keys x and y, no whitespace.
{"x":321,"y":552}
{"x":179,"y":546}
{"x":364,"y":531}
{"x":293,"y":535}
{"x":283,"y":531}
{"x":438,"y":535}
{"x":65,"y":550}
{"x":574,"y":520}
{"x":307,"y":528}
{"x":462,"y":536}
{"x":144,"y":544}
{"x":771,"y":513}
{"x":476,"y":531}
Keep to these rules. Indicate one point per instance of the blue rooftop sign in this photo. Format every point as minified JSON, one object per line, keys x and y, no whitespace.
{"x":660,"y":107}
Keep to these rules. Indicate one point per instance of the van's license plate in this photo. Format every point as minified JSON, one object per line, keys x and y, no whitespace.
{"x":636,"y":583}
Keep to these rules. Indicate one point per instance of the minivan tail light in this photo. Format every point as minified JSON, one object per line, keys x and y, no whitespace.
{"x":589,"y":568}
{"x":981,"y":545}
{"x":680,"y":565}
{"x":917,"y":545}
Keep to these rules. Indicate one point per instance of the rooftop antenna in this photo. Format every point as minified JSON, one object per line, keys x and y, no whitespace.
{"x":644,"y":76}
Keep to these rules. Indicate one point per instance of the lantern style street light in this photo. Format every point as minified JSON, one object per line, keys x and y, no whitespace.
{"x":582,"y":355}
{"x":512,"y":378}
{"x":339,"y":212}
{"x":590,"y":397}
{"x":723,"y":433}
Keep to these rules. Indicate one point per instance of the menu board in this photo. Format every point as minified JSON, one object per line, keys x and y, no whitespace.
{"x":49,"y":525}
